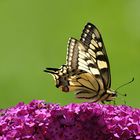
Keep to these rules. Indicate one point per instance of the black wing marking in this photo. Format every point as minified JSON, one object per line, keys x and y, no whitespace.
{"x":72,"y":54}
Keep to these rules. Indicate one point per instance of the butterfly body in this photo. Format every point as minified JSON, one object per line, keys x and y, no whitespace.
{"x":87,"y":70}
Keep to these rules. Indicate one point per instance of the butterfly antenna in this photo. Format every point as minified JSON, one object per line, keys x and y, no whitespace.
{"x":125,"y":93}
{"x":125,"y":84}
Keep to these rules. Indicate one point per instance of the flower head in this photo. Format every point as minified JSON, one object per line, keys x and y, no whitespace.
{"x":39,"y":120}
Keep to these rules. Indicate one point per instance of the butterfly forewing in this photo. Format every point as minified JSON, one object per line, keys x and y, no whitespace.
{"x":75,"y":54}
{"x":91,"y":38}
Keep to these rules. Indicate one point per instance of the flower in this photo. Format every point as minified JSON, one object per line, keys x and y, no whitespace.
{"x":39,"y":120}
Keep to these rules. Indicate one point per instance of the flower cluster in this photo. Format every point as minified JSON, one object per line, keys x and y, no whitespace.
{"x":86,"y":121}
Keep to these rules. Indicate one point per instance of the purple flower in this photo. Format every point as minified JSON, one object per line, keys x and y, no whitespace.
{"x":86,"y":121}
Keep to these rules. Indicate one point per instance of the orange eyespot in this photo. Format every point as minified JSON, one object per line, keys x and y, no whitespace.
{"x":65,"y":88}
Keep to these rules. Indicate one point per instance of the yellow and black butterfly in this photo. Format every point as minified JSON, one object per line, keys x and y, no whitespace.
{"x":87,"y":70}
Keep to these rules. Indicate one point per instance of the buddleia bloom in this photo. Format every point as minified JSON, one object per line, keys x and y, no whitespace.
{"x":39,"y":120}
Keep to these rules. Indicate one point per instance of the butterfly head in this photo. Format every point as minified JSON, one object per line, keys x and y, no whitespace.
{"x":111,"y":95}
{"x":60,"y":77}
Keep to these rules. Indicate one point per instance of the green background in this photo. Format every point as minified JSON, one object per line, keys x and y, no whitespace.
{"x":34,"y":35}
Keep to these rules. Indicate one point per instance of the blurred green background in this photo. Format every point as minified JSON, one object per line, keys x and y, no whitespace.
{"x":34,"y":35}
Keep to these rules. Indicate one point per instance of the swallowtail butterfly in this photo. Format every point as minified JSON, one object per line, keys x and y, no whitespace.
{"x":87,"y":70}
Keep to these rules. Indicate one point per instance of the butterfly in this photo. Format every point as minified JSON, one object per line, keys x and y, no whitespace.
{"x":87,"y":69}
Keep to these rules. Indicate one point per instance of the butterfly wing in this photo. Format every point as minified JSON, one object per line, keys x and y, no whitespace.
{"x":92,"y":40}
{"x":85,"y":77}
{"x":76,"y":55}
